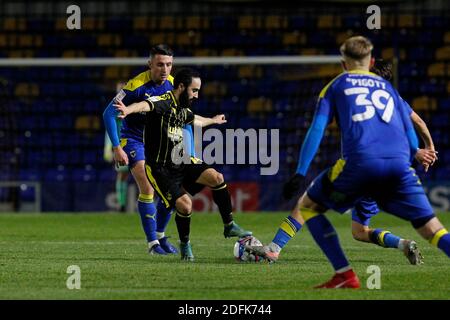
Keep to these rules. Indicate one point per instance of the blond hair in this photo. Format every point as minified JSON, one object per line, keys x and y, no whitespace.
{"x":356,"y":48}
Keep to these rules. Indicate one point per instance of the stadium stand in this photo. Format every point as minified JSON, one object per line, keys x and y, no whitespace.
{"x":51,"y":127}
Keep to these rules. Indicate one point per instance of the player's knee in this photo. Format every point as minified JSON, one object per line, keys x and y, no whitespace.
{"x":184,"y":205}
{"x":305,"y":202}
{"x":218,"y":178}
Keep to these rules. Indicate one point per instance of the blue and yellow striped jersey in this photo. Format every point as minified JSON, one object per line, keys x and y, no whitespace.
{"x":139,"y":89}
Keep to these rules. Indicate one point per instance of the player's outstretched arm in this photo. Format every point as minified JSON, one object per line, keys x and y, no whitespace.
{"x":109,"y":118}
{"x":307,"y":152}
{"x":427,"y":159}
{"x":423,"y":131}
{"x":204,"y":122}
{"x":137,"y":107}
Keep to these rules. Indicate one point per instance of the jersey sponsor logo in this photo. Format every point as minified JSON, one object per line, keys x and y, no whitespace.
{"x":153,"y":99}
{"x":175,"y":133}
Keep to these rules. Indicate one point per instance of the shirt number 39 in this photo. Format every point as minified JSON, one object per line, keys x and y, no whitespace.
{"x":380,"y":99}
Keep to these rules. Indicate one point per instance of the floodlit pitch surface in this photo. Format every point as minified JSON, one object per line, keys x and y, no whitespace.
{"x":111,"y":252}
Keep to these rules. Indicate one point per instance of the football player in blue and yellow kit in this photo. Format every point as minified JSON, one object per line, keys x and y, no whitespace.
{"x":378,"y":140}
{"x":366,"y":208}
{"x":130,"y":149}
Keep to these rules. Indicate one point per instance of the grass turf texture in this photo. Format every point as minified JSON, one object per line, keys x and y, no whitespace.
{"x":111,"y":251}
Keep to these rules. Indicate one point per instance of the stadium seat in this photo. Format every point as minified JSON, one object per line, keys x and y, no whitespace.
{"x":443,"y":53}
{"x":61,"y":108}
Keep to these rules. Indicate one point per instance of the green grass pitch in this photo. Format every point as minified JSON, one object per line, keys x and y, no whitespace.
{"x":110,"y":250}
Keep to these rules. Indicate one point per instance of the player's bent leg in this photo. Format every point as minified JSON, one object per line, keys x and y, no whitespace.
{"x":146,"y":207}
{"x":183,"y":207}
{"x":221,"y":197}
{"x":436,"y":234}
{"x":288,"y":228}
{"x":327,"y":239}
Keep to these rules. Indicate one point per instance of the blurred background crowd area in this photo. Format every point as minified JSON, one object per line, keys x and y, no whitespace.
{"x":51,"y":127}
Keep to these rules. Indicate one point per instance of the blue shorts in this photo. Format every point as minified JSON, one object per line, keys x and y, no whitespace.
{"x":364,"y":210}
{"x":134,"y":150}
{"x":392,"y":183}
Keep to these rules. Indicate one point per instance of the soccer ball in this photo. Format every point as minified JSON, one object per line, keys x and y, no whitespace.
{"x":243,"y":256}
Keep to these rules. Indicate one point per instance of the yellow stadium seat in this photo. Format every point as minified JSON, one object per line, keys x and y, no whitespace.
{"x":157,"y":37}
{"x":87,"y":122}
{"x":3,"y":40}
{"x":249,"y":22}
{"x":38,"y":41}
{"x":250,"y":72}
{"x":437,"y":70}
{"x":111,"y":72}
{"x":170,"y":23}
{"x":388,"y":21}
{"x":232,"y":52}
{"x":73,"y":54}
{"x":328,"y":21}
{"x":387,"y":53}
{"x":61,"y":24}
{"x":408,"y":21}
{"x":342,"y":36}
{"x":294,"y":38}
{"x":310,"y":51}
{"x":9,"y":24}
{"x":188,"y":38}
{"x":443,"y":53}
{"x":201,"y":52}
{"x":447,"y":37}
{"x":109,"y":40}
{"x":25,"y":41}
{"x":328,"y":70}
{"x":183,"y":39}
{"x":140,"y":23}
{"x":21,"y":54}
{"x":14,"y":24}
{"x":214,"y":89}
{"x":124,"y":53}
{"x":275,"y":22}
{"x":197,"y":23}
{"x":26,"y":90}
{"x":88,"y":23}
{"x":260,"y":104}
{"x":424,"y":103}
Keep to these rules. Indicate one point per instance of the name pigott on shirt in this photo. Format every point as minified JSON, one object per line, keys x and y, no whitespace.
{"x":365,"y":82}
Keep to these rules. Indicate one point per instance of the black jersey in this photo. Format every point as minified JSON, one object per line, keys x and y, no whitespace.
{"x":163,"y":134}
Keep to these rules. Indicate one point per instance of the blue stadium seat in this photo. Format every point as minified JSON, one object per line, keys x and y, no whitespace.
{"x":57,"y":175}
{"x":84,"y":175}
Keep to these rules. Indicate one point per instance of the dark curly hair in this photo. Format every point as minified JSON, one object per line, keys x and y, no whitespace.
{"x":382,"y":68}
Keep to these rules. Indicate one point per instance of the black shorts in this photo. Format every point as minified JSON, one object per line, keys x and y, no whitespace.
{"x":172,"y":182}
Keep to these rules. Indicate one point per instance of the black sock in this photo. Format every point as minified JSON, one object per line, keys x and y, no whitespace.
{"x":223,"y":200}
{"x":184,"y":226}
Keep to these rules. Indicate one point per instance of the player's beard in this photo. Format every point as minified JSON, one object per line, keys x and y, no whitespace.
{"x":185,"y":102}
